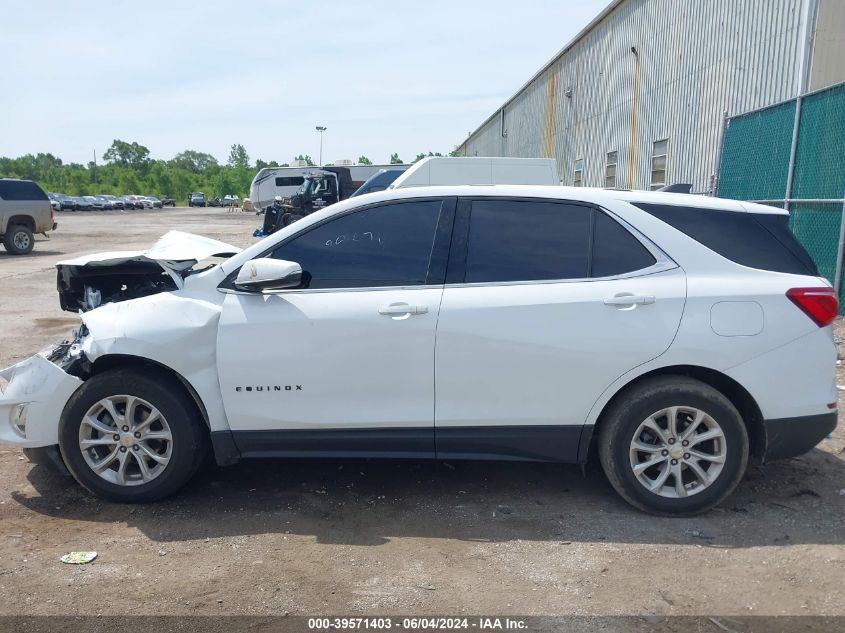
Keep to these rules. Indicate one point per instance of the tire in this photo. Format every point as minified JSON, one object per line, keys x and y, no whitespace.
{"x":702,"y":486}
{"x":19,"y":240}
{"x":179,"y":417}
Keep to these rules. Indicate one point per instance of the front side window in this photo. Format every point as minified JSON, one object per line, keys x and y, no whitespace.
{"x":533,"y":240}
{"x":389,"y":245}
{"x":659,"y":157}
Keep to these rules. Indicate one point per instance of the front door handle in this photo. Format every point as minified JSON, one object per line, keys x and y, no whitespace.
{"x":399,"y":309}
{"x":629,"y":300}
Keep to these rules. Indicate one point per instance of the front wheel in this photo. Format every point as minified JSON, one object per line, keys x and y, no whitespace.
{"x":673,"y":445}
{"x":132,"y":437}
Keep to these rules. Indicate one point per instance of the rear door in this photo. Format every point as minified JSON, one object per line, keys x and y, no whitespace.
{"x":546,"y":304}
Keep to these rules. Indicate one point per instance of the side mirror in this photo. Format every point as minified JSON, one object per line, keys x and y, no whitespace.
{"x":266,"y":273}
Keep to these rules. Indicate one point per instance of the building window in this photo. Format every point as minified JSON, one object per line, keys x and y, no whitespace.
{"x":659,"y":155}
{"x":578,"y":180}
{"x":610,"y":171}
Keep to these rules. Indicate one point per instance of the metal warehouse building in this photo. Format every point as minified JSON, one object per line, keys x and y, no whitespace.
{"x":640,"y":97}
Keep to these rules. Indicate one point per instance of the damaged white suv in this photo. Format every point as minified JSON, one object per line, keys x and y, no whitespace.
{"x":677,"y":335}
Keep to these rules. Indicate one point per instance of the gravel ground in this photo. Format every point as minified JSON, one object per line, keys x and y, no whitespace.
{"x":392,"y":537}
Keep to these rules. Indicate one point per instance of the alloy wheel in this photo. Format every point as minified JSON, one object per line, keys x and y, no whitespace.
{"x":125,"y":440}
{"x":678,"y":452}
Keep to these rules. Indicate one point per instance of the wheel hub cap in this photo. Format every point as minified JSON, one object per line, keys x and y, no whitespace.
{"x":678,"y":452}
{"x":125,"y":440}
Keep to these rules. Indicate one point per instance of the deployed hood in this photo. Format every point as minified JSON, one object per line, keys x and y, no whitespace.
{"x":90,"y":280}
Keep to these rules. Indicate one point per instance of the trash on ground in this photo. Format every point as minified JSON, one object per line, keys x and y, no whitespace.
{"x":78,"y":558}
{"x":698,"y":534}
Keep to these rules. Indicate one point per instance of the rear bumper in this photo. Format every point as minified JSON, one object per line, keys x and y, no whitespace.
{"x":788,"y":437}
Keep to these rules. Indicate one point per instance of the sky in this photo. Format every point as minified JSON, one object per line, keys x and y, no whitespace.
{"x":383,"y":77}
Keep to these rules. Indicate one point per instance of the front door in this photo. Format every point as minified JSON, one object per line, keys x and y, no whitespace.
{"x":551,"y":304}
{"x":345,"y":364}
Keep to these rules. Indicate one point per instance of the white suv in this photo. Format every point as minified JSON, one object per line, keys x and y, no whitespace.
{"x":677,"y":335}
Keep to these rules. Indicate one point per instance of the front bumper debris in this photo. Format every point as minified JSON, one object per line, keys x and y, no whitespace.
{"x":33,"y":395}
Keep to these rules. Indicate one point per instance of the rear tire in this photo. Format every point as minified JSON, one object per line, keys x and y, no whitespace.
{"x":673,"y":446}
{"x":19,"y":240}
{"x":114,"y":450}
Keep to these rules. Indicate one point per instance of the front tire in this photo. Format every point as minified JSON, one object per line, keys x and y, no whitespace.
{"x":673,"y":445}
{"x":132,"y":436}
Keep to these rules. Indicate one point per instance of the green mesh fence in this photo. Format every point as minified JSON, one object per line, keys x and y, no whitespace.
{"x":755,"y":154}
{"x":755,"y":166}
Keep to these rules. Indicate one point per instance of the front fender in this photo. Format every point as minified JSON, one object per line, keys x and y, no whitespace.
{"x":174,"y":330}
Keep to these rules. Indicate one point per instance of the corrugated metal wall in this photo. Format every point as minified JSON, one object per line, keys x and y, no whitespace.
{"x":698,"y":59}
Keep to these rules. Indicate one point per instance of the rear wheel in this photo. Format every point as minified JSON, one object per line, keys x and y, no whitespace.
{"x":132,"y":437}
{"x":18,"y":240}
{"x":673,"y":445}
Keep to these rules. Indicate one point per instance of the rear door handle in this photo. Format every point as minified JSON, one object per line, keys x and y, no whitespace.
{"x":629,"y":300}
{"x":398,"y":309}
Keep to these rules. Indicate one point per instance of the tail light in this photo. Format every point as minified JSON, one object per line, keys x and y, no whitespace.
{"x":820,"y":304}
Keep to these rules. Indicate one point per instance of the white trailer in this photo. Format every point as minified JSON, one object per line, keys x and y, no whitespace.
{"x":284,"y":181}
{"x":460,"y":170}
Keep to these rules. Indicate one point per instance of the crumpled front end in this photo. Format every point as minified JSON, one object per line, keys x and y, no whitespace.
{"x":33,"y":395}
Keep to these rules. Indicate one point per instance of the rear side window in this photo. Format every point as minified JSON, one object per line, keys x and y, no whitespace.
{"x":513,"y":240}
{"x":530,"y":240}
{"x":756,"y":240}
{"x":21,"y":190}
{"x":615,"y":250}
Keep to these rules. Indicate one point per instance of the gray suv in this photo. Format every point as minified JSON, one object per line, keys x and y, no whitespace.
{"x":24,"y":210}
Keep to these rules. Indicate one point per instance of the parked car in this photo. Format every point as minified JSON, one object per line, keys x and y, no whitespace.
{"x":196,"y":199}
{"x":230,"y":200}
{"x":214,"y":202}
{"x":379,"y":181}
{"x":136,"y":202}
{"x":167,"y":201}
{"x":82,"y":203}
{"x":24,"y":210}
{"x":671,"y":336}
{"x":98,"y":204}
{"x":114,"y":201}
{"x":54,"y":201}
{"x":155,"y":203}
{"x":67,"y":202}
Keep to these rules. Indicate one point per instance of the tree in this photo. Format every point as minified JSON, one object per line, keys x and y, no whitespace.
{"x":363,"y":160}
{"x":306,"y":158}
{"x":395,"y":160}
{"x":456,"y":152}
{"x":194,"y":161}
{"x":238,"y":158}
{"x":423,"y":155}
{"x":125,"y":154}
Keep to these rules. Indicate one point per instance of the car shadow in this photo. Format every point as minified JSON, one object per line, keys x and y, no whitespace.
{"x":36,"y":253}
{"x":368,"y":502}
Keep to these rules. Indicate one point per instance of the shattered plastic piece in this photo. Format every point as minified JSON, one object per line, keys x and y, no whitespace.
{"x":698,"y":534}
{"x":79,"y":558}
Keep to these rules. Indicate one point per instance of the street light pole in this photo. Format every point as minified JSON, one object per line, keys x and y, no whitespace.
{"x":321,"y":129}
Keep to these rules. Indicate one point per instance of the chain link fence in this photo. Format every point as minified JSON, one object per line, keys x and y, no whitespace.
{"x":792,"y":155}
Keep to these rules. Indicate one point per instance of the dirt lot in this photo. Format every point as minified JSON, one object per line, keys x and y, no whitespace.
{"x":358,"y":537}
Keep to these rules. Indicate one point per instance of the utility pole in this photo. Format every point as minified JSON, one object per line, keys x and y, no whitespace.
{"x":321,"y":129}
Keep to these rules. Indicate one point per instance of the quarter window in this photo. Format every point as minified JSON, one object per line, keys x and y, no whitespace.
{"x":388,"y":245}
{"x":610,"y":170}
{"x":578,"y":179}
{"x":659,"y":157}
